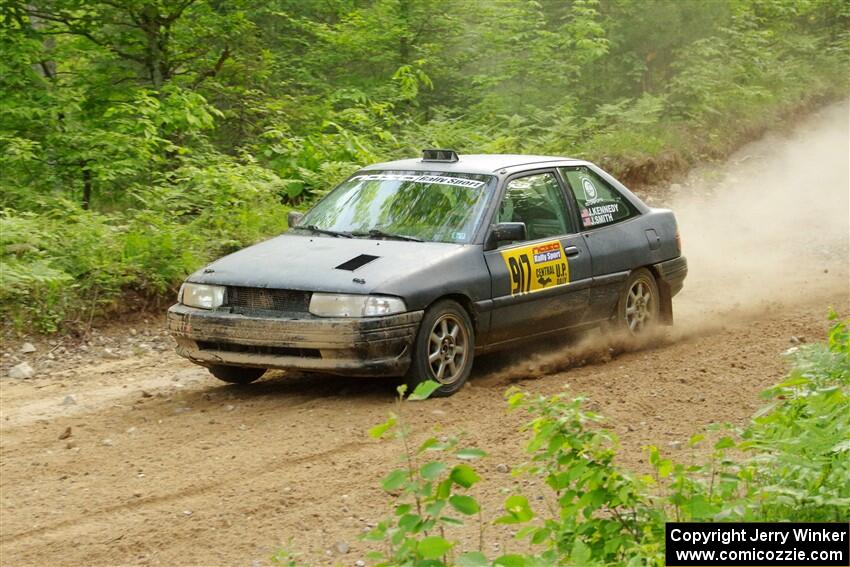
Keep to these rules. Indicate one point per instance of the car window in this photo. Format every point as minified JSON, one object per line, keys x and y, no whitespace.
{"x":432,"y":206}
{"x":538,"y":201}
{"x":599,"y":204}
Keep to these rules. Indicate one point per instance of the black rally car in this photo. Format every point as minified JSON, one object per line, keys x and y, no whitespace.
{"x":412,"y":267}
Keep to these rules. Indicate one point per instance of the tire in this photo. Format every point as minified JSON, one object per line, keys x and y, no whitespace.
{"x":639,"y":304}
{"x":236,"y":374}
{"x":443,"y":350}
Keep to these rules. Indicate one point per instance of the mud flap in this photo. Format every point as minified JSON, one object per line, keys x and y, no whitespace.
{"x":665,"y":311}
{"x":669,"y":276}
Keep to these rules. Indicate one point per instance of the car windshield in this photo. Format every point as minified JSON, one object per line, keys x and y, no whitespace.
{"x":415,"y":205}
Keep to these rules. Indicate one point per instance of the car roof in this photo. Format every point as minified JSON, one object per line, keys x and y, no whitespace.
{"x":475,"y":163}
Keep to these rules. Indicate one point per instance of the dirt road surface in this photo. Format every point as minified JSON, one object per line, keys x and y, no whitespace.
{"x":117,"y":452}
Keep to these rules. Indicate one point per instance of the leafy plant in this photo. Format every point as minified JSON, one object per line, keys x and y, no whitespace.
{"x":432,"y":496}
{"x":795,"y":450}
{"x":600,"y":511}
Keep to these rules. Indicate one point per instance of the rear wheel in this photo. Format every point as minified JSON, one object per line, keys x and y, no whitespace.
{"x":638,"y":308}
{"x":444,"y":348}
{"x":236,"y":374}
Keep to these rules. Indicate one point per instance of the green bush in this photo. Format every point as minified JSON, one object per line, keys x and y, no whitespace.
{"x":433,"y":495}
{"x":56,"y":264}
{"x":67,"y":264}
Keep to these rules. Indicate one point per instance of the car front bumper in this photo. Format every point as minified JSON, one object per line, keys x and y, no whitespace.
{"x":370,"y":346}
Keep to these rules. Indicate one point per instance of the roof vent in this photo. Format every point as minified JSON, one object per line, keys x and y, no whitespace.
{"x":357,"y":262}
{"x":447,"y":156}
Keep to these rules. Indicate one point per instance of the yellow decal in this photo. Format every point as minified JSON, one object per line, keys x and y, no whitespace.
{"x":537,"y":267}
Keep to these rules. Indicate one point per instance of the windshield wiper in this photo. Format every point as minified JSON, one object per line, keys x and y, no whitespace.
{"x":316,"y":229}
{"x":378,"y":233}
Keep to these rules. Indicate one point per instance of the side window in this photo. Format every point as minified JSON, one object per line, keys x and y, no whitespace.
{"x":536,"y":200}
{"x":599,"y":204}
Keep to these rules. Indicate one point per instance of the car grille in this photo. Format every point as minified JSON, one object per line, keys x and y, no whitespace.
{"x":260,"y":349}
{"x":256,"y":298}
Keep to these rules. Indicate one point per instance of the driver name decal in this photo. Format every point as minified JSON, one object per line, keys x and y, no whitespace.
{"x":602,"y":214}
{"x":536,"y":267}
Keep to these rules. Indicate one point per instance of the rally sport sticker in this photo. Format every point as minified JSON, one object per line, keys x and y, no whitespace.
{"x":536,"y":267}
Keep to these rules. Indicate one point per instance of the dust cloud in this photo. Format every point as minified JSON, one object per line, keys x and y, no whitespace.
{"x":767,"y":228}
{"x":770,"y":226}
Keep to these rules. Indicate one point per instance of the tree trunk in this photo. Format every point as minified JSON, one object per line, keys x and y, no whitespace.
{"x":150,"y":23}
{"x":86,"y":187}
{"x":404,"y":39}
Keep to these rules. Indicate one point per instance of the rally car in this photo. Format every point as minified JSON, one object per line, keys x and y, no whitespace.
{"x":412,"y":267}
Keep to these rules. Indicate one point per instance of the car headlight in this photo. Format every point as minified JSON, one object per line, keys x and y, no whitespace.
{"x":341,"y":305}
{"x":201,"y":295}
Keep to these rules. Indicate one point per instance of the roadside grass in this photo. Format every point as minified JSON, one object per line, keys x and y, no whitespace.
{"x":791,"y":462}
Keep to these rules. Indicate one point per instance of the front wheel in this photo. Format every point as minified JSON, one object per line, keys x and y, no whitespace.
{"x":236,"y":374}
{"x":444,"y":349}
{"x":639,"y":305}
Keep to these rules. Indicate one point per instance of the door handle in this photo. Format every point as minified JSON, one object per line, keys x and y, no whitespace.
{"x":571,"y":251}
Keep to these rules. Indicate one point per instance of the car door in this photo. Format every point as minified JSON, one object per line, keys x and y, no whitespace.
{"x":541,"y":284}
{"x":617,"y":240}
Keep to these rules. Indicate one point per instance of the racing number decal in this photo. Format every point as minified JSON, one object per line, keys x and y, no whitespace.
{"x":532,"y":268}
{"x":520,"y":273}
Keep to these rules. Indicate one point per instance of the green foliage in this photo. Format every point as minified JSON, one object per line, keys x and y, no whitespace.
{"x":795,"y":464}
{"x":182,"y":130}
{"x":432,"y":495}
{"x":801,"y":442}
{"x":66,"y":264}
{"x":602,"y":509}
{"x":792,"y":464}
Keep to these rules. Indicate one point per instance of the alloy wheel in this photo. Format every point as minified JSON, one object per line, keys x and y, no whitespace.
{"x":639,"y":306}
{"x":447,"y":349}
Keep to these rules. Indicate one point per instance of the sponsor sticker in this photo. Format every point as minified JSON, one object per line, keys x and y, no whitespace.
{"x":590,"y":193}
{"x":426,"y":179}
{"x":536,"y":267}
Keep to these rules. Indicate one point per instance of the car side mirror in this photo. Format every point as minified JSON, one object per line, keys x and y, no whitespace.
{"x":506,"y":232}
{"x":294,"y":218}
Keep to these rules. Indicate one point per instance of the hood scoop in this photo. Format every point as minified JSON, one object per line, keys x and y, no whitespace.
{"x":357,"y":262}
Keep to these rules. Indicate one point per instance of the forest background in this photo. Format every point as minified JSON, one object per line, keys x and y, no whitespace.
{"x":140,"y":139}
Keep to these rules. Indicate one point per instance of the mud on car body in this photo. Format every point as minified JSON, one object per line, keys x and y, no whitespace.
{"x":411,"y":267}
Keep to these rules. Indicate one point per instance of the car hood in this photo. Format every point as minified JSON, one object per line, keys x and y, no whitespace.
{"x":317,"y":263}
